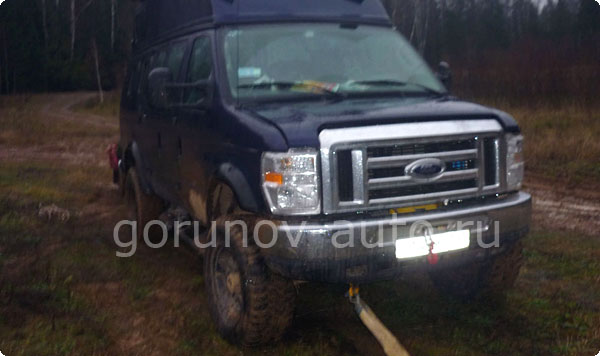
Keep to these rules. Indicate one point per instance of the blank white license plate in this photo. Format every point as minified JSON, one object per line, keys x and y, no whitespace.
{"x":443,"y":242}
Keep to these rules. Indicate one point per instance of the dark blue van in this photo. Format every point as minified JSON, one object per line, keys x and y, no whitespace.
{"x":310,"y":142}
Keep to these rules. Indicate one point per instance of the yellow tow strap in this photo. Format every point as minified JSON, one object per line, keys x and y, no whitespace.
{"x":386,"y":339}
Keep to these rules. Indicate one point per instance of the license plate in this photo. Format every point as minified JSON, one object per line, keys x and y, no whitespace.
{"x":443,"y":242}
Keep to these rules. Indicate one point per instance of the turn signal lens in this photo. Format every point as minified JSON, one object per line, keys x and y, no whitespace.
{"x":274,"y":178}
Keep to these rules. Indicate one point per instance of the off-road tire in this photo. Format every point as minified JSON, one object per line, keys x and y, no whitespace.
{"x":266,"y":300}
{"x":122,"y":182}
{"x":142,"y":207}
{"x":489,"y":279}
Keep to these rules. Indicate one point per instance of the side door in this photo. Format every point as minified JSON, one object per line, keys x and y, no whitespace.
{"x":165,"y":122}
{"x":129,"y":109}
{"x":144,"y":133}
{"x":152,"y":122}
{"x":197,"y":132}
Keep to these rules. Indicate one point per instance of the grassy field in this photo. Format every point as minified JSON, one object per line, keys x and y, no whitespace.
{"x":64,"y":292}
{"x":561,"y":141}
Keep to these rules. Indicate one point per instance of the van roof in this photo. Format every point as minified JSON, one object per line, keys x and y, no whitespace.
{"x":159,"y":19}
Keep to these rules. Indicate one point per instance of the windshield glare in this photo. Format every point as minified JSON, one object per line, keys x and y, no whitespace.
{"x":305,"y":59}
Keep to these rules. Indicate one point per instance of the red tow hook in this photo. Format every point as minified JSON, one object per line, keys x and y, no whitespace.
{"x":432,"y":258}
{"x":113,"y":160}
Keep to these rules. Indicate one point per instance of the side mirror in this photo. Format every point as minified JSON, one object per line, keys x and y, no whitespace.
{"x":158,"y":94}
{"x":444,"y":74}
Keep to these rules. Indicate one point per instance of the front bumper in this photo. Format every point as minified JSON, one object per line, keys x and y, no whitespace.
{"x":365,"y":251}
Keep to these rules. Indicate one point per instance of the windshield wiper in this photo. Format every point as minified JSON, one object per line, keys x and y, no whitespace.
{"x":291,"y":85}
{"x":389,"y":83}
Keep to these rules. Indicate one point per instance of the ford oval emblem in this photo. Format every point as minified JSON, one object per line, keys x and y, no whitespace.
{"x":425,"y":169}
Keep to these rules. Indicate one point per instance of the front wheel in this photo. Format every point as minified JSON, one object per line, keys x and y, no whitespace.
{"x":491,"y":278}
{"x":249,"y":304}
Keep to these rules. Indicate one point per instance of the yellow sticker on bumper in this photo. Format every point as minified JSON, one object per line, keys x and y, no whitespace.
{"x":414,"y":209}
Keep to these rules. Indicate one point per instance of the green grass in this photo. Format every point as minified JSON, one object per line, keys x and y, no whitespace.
{"x":109,"y":108}
{"x":25,"y":121}
{"x":48,"y":182}
{"x":40,"y":313}
{"x":561,"y":141}
{"x":64,"y":292}
{"x":553,"y":310}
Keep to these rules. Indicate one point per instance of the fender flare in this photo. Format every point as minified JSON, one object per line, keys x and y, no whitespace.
{"x":235,"y":179}
{"x":133,"y":158}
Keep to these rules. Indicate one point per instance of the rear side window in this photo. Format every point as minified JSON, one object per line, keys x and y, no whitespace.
{"x":159,"y":59}
{"x":200,"y":68}
{"x":176,"y":54}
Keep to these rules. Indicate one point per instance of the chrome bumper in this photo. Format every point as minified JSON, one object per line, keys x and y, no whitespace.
{"x":365,"y":250}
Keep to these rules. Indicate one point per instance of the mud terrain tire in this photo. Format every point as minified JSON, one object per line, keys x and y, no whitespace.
{"x":142,"y":207}
{"x":249,"y":304}
{"x":491,"y":278}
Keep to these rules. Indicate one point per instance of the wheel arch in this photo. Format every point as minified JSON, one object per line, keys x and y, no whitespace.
{"x":232,"y":177}
{"x":132,"y":157}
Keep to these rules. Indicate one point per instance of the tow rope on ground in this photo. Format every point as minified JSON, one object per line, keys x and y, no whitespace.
{"x":387,"y":340}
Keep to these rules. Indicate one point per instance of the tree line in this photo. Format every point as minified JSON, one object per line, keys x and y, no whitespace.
{"x":56,"y":45}
{"x":507,"y":48}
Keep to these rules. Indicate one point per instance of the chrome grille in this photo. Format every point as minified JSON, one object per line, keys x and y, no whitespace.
{"x":366,"y":168}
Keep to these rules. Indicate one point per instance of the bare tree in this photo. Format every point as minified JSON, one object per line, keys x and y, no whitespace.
{"x":113,"y":10}
{"x":1,"y":68}
{"x":45,"y":31}
{"x":98,"y":78}
{"x":6,"y":72}
{"x":413,"y":31}
{"x":425,"y":29}
{"x":72,"y":28}
{"x":394,"y":10}
{"x":74,"y":18}
{"x":420,"y":25}
{"x":45,"y":23}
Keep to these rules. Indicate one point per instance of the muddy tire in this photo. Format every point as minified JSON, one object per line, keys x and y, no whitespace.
{"x":487,"y":279}
{"x":249,"y":304}
{"x":142,"y":207}
{"x":122,"y":182}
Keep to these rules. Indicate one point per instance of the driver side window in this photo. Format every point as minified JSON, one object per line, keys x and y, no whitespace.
{"x":200,"y":68}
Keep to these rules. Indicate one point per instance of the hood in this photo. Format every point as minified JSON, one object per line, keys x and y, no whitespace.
{"x":301,"y":123}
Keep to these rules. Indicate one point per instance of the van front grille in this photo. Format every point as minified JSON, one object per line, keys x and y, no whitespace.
{"x":375,"y":195}
{"x":367,"y":174}
{"x":420,"y":148}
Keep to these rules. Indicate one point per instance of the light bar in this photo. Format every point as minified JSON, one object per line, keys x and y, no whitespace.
{"x":444,"y":242}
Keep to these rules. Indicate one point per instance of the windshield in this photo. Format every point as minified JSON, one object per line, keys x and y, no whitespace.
{"x":283,"y":60}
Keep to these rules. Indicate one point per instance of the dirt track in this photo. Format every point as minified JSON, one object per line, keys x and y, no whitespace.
{"x":155,"y":328}
{"x":559,"y":208}
{"x":555,"y":206}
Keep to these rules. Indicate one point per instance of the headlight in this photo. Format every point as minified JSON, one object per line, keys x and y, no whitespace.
{"x":515,"y":164}
{"x":291,"y":182}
